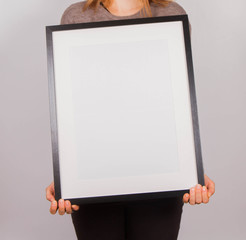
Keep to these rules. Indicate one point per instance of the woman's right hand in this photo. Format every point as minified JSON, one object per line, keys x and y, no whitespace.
{"x":62,"y":206}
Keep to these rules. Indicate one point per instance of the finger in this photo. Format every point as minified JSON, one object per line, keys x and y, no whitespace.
{"x":186,"y":198}
{"x":198,"y":194}
{"x":61,"y":209}
{"x":75,"y":207}
{"x":68,"y":207}
{"x":192,"y":196}
{"x":53,"y":207}
{"x":211,"y":188}
{"x":205,"y":198}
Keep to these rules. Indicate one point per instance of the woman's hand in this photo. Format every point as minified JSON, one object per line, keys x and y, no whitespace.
{"x":199,"y":194}
{"x":63,"y":206}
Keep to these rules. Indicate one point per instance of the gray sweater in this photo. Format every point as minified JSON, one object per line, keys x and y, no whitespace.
{"x":74,"y":13}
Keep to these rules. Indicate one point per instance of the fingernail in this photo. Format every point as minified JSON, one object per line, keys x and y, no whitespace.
{"x":61,"y":201}
{"x":67,"y":203}
{"x":192,"y":189}
{"x":54,"y":203}
{"x":198,"y":186}
{"x":204,"y":189}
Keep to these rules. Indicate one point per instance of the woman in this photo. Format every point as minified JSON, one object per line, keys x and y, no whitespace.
{"x":145,"y":220}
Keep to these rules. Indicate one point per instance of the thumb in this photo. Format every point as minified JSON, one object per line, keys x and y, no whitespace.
{"x":50,"y":193}
{"x":50,"y":197}
{"x":211,"y":188}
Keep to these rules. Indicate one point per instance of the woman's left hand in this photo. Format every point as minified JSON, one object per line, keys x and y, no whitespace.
{"x":200,"y":194}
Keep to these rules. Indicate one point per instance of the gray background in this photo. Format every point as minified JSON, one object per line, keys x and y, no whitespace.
{"x":218,"y":41}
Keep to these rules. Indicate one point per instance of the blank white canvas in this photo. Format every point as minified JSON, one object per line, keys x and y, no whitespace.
{"x":125,"y":123}
{"x":123,"y":109}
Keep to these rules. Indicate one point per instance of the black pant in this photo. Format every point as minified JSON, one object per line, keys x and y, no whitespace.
{"x":148,"y":220}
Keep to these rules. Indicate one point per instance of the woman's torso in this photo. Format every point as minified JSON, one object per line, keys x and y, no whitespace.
{"x":75,"y":14}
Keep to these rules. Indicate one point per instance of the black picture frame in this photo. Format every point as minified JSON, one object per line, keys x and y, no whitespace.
{"x":53,"y":73}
